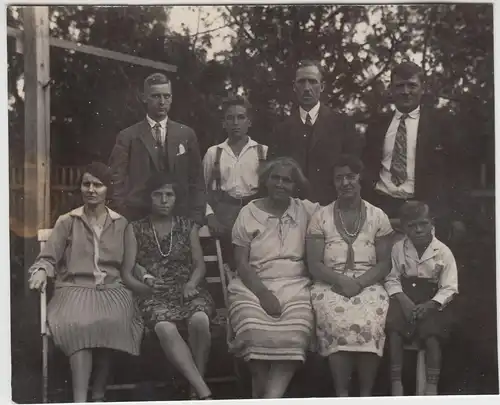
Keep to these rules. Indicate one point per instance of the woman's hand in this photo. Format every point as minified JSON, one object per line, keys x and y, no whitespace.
{"x":190,"y":290}
{"x":347,"y":287}
{"x":270,"y":303}
{"x":38,"y":280}
{"x":156,"y":285}
{"x":423,"y":310}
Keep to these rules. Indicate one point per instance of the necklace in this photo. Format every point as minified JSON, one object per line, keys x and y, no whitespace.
{"x":357,"y":225}
{"x":158,"y":242}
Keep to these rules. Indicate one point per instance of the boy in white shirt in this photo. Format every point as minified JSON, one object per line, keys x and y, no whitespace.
{"x":231,"y":170}
{"x":422,"y":283}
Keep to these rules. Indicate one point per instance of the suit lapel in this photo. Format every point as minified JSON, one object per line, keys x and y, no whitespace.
{"x":147,"y":139}
{"x":423,"y":137}
{"x":321,"y":121}
{"x":172,"y":141}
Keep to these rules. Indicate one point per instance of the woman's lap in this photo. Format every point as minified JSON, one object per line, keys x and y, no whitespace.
{"x":350,"y":324}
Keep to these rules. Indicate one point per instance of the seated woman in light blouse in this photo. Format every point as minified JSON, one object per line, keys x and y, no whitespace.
{"x":91,"y":249}
{"x":269,"y":300}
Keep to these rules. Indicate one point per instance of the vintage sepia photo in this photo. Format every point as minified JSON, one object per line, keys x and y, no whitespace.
{"x":253,"y":201}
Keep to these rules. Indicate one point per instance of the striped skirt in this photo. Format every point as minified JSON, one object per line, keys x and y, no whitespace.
{"x":88,"y":317}
{"x":259,"y":336}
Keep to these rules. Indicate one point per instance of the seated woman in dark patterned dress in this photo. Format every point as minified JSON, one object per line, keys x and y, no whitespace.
{"x":171,"y":258}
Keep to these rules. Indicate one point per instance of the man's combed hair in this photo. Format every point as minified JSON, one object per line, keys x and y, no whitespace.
{"x":154,"y":79}
{"x":310,"y":62}
{"x":407,"y":69}
{"x":412,"y":210}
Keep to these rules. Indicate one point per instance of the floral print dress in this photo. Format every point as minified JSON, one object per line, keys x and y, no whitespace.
{"x":174,"y":270}
{"x":350,"y":324}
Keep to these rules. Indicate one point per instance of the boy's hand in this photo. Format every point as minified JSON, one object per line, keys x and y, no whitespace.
{"x":407,"y":305}
{"x":422,"y":310}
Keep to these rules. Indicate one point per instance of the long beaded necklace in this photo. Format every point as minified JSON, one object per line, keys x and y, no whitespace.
{"x":357,"y":227}
{"x":158,"y":242}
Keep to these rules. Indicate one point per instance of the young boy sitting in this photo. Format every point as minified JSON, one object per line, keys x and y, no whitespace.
{"x":422,"y":282}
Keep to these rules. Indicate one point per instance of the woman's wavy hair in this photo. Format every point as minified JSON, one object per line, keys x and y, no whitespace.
{"x":301,"y":183}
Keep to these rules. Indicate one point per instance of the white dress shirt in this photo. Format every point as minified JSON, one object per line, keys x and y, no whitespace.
{"x":385,"y":184}
{"x":437,"y":263}
{"x":239,"y":176}
{"x":313,"y":112}
{"x":163,"y":128}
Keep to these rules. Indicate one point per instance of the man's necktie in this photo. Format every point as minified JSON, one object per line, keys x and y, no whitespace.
{"x":159,"y":145}
{"x":399,"y":154}
{"x":308,"y":120}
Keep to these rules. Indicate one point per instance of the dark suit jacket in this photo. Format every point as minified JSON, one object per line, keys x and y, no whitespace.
{"x":439,"y":165}
{"x":134,"y":159}
{"x":333,"y":134}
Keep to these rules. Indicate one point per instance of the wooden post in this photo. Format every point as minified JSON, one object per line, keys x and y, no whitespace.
{"x":37,"y":128}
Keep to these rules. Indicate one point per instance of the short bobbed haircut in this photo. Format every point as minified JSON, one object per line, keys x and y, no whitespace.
{"x":158,"y":180}
{"x":301,"y":183}
{"x":352,"y":162}
{"x":100,"y":171}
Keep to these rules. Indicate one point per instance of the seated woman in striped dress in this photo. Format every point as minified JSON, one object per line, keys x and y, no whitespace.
{"x":269,"y":301}
{"x":91,"y":313}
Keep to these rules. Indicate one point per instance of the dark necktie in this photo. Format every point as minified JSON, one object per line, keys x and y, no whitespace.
{"x":159,"y":145}
{"x":400,"y":154}
{"x":308,"y":120}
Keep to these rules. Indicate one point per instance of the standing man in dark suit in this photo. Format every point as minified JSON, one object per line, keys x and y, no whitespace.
{"x":414,"y":153}
{"x":157,"y":144}
{"x":314,"y":135}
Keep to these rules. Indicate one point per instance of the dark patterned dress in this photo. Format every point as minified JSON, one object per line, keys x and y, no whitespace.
{"x":174,"y":270}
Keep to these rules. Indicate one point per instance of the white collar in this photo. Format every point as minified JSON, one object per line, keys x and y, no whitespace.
{"x":412,"y":114}
{"x":152,"y":122}
{"x":313,"y":112}
{"x":431,"y":251}
{"x":225,"y":145}
{"x":262,"y":216}
{"x":78,"y":212}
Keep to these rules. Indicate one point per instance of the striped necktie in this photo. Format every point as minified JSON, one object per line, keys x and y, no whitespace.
{"x":159,"y":145}
{"x":400,"y":154}
{"x":308,"y":120}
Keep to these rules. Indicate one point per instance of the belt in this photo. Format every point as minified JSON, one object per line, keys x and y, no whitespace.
{"x":228,"y":199}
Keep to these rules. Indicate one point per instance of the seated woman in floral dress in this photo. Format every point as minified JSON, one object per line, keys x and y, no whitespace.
{"x":348,"y":254}
{"x":91,"y":253}
{"x":170,"y":257}
{"x":269,"y":301}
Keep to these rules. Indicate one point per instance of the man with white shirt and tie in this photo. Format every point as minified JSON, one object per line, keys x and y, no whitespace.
{"x":314,"y":135}
{"x":413,"y":153}
{"x":157,"y":144}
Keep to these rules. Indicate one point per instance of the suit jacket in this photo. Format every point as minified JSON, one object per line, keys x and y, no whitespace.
{"x":439,"y":162}
{"x":333,"y":134}
{"x":134,"y":159}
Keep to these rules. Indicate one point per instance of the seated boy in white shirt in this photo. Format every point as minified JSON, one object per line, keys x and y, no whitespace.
{"x":422,"y":283}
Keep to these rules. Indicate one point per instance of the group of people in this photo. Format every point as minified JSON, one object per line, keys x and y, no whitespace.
{"x":334,"y":239}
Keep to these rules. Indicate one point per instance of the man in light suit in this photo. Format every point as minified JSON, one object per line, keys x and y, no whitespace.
{"x":314,"y":135}
{"x":157,"y":144}
{"x":414,"y":152}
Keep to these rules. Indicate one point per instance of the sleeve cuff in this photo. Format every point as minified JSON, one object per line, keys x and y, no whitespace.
{"x":209,"y":210}
{"x":393,"y":289}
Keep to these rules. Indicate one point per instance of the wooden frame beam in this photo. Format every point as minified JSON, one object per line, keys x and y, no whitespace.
{"x":36,"y":128}
{"x":93,"y":50}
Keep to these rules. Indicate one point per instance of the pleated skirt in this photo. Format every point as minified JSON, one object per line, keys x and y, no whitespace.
{"x":89,"y":317}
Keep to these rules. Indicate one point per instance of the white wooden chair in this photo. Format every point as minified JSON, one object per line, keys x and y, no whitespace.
{"x":43,"y":236}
